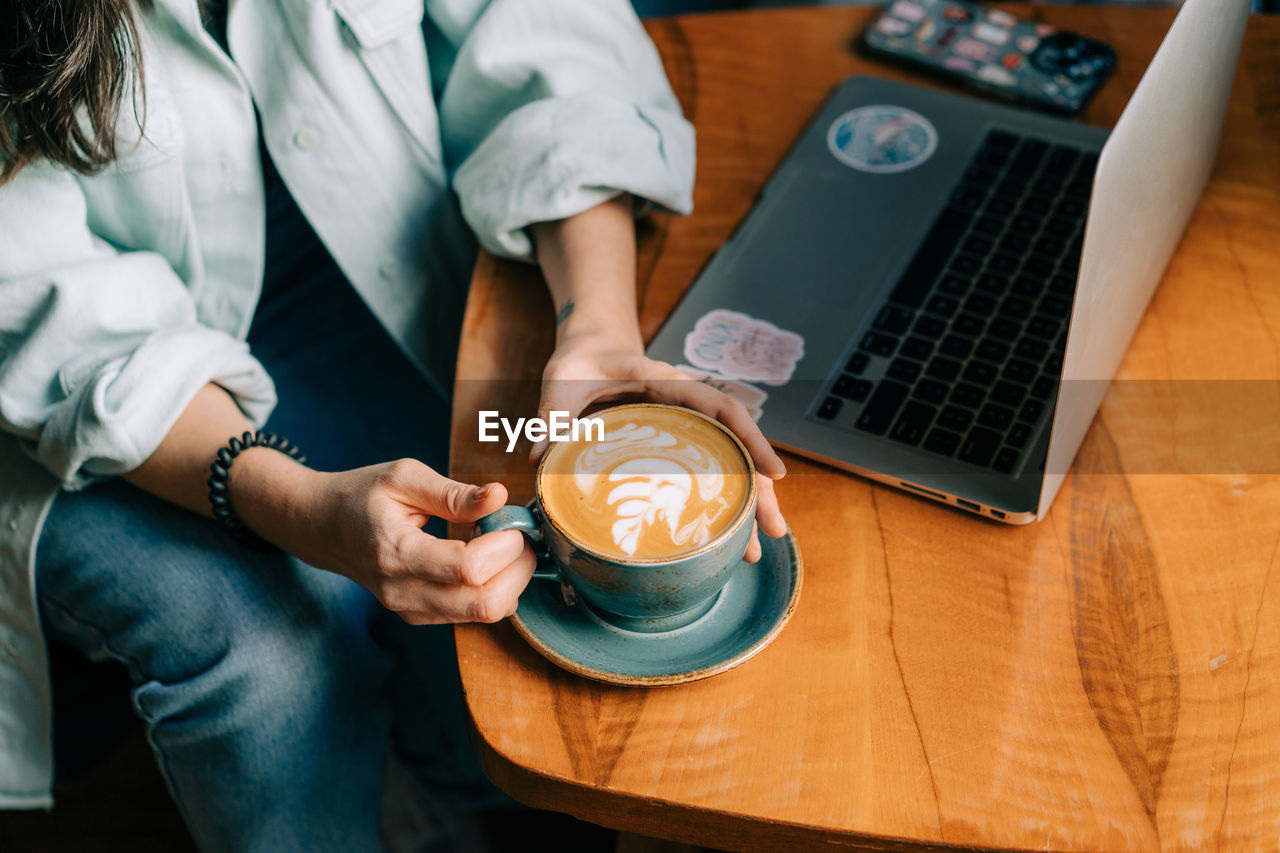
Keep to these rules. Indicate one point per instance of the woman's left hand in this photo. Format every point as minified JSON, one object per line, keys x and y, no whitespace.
{"x":591,"y":368}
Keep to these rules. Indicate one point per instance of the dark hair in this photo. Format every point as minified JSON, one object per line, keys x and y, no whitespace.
{"x":65,"y":67}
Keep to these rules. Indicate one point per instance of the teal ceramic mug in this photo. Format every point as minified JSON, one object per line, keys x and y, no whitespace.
{"x":646,"y":523}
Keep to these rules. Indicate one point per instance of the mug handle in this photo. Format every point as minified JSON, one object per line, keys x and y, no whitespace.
{"x":529,"y":522}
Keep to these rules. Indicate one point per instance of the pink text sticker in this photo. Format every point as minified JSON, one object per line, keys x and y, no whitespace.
{"x":741,"y":347}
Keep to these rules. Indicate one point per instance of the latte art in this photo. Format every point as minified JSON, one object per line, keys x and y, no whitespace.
{"x":661,"y":483}
{"x":651,"y":477}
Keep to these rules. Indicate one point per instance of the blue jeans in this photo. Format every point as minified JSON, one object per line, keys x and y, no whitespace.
{"x":269,"y":689}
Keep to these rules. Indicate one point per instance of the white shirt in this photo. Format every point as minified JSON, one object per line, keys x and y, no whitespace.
{"x":124,"y":293}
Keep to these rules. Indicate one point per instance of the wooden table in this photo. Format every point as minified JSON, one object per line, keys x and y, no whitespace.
{"x":1108,"y":679}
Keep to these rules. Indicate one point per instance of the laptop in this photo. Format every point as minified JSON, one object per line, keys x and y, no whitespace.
{"x":934,"y":291}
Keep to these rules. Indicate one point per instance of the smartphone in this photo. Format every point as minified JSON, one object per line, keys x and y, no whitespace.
{"x":992,"y":52}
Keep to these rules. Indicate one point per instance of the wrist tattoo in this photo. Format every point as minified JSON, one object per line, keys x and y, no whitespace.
{"x":563,"y":313}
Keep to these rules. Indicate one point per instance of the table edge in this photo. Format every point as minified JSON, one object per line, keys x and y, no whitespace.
{"x":717,"y":829}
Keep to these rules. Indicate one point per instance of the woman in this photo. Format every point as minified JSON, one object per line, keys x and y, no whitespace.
{"x":150,"y":226}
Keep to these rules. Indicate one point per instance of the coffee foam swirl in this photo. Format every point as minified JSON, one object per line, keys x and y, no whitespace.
{"x":653,"y":486}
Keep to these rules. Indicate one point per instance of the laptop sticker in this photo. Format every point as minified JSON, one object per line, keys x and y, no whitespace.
{"x":991,"y":33}
{"x":996,"y":74}
{"x":882,"y":139}
{"x":893,"y":26}
{"x":740,"y":347}
{"x":974,"y":49}
{"x":748,"y":395}
{"x":907,"y":11}
{"x":1001,"y":19}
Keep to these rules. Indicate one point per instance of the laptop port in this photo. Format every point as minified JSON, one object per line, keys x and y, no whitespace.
{"x":969,"y":505}
{"x":921,"y":490}
{"x":995,"y":513}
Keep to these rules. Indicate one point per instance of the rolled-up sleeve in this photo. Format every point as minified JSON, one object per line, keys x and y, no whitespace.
{"x":553,"y":106}
{"x":100,"y":349}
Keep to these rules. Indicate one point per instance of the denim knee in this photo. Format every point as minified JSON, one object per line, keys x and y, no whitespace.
{"x":305,"y":644}
{"x":251,"y":649}
{"x":297,"y":694}
{"x":164,"y":590}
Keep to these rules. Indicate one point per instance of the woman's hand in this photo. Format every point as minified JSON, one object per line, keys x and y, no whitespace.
{"x":589,"y":261}
{"x":590,"y":368}
{"x":367,"y":524}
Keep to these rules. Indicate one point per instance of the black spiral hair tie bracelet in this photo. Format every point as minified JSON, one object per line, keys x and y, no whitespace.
{"x":220,"y":470}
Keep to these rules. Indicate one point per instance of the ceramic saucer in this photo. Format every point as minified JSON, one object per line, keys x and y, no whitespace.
{"x":752,"y":608}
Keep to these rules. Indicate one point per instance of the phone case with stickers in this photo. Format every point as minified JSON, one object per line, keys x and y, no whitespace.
{"x":992,"y":52}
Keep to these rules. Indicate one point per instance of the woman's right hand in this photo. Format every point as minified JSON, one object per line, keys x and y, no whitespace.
{"x":367,"y":524}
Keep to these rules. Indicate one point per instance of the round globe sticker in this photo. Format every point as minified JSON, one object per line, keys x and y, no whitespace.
{"x":882,"y":139}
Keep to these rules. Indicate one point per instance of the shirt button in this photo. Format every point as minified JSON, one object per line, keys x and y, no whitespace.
{"x":13,"y":525}
{"x":389,"y":268}
{"x":306,"y":139}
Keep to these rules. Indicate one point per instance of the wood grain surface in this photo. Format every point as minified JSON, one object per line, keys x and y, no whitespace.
{"x":1107,"y":679}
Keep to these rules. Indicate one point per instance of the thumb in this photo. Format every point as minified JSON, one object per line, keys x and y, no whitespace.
{"x":459,"y":502}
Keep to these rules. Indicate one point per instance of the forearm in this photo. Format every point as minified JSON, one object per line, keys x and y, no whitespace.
{"x":268,"y":488}
{"x":589,"y":262}
{"x":364,"y":523}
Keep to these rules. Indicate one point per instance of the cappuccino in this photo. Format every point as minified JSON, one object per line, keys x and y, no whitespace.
{"x":663,"y":482}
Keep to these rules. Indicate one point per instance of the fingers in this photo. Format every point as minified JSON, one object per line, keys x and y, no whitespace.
{"x":686,"y":391}
{"x":440,"y":496}
{"x":426,"y":579}
{"x":420,"y":601}
{"x":768,"y":514}
{"x":753,"y":546}
{"x":492,"y":601}
{"x":447,"y":561}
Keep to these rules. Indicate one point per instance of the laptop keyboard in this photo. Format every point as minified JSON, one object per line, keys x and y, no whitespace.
{"x":963,"y":359}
